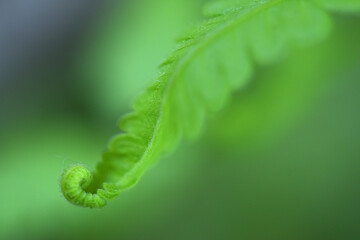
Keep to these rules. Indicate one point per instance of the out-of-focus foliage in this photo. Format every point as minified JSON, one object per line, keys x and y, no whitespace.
{"x":123,"y":53}
{"x":280,"y":95}
{"x":275,"y":164}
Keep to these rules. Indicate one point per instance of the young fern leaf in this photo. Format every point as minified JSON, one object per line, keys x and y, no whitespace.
{"x":197,"y":78}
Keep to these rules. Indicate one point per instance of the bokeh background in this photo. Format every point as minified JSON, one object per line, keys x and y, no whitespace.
{"x":281,"y":161}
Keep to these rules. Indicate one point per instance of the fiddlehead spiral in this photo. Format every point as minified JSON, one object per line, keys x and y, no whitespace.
{"x":74,"y":183}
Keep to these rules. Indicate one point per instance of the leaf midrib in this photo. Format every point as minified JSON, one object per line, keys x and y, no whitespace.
{"x":183,"y":64}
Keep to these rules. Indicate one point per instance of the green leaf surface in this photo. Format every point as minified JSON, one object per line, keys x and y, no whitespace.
{"x":342,"y":6}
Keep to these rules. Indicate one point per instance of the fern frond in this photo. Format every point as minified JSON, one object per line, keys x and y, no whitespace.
{"x":198,"y":78}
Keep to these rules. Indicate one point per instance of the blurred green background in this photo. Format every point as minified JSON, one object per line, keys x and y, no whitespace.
{"x":281,"y":161}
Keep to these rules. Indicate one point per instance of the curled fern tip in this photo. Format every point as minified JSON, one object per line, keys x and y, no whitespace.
{"x":74,"y":183}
